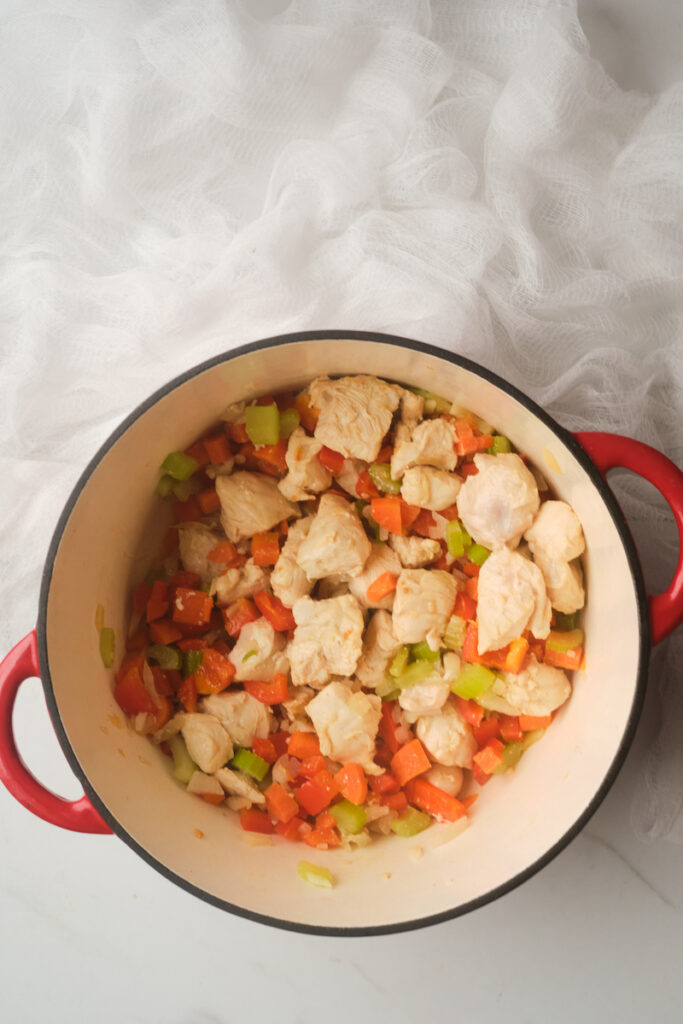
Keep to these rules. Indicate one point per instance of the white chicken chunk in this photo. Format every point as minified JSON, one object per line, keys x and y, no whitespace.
{"x":563,"y":581}
{"x":498,"y":503}
{"x":447,"y":738}
{"x":195,"y":541}
{"x":201,"y":783}
{"x":251,"y":503}
{"x":234,"y":583}
{"x":379,"y":647}
{"x":221,"y":469}
{"x":346,"y":724}
{"x":258,"y":652}
{"x":240,"y":714}
{"x":307,"y":475}
{"x":336,"y":541}
{"x":382,"y":559}
{"x":431,"y":443}
{"x":299,"y":699}
{"x":414,"y":552}
{"x":412,"y":408}
{"x":328,"y":639}
{"x":430,"y":488}
{"x":288,"y":579}
{"x":207,"y":742}
{"x":537,"y":690}
{"x":512,"y":598}
{"x":556,"y":532}
{"x":347,"y":477}
{"x":237,"y":784}
{"x":430,"y":695}
{"x":448,"y":779}
{"x":355,"y":414}
{"x":423,"y":605}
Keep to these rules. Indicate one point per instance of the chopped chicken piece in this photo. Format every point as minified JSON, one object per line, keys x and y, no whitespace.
{"x":432,"y":443}
{"x":201,"y":783}
{"x":556,"y":532}
{"x":430,"y":488}
{"x":412,"y":408}
{"x":447,"y":738}
{"x":332,"y":586}
{"x":382,"y":559}
{"x":336,"y":541}
{"x":499,"y":502}
{"x":297,"y":703}
{"x":244,"y":582}
{"x":307,"y":475}
{"x":448,"y":779}
{"x":430,"y":695}
{"x":328,"y":639}
{"x":355,"y":414}
{"x":258,"y":652}
{"x":423,"y":605}
{"x":347,"y":478}
{"x":346,"y":724}
{"x":207,"y":742}
{"x":379,"y":647}
{"x":172,"y":728}
{"x":239,"y":785}
{"x":512,"y":598}
{"x":240,"y":714}
{"x":251,"y":503}
{"x":563,"y":581}
{"x":195,"y":541}
{"x":537,"y":690}
{"x":288,"y":579}
{"x":414,"y":552}
{"x":221,"y":469}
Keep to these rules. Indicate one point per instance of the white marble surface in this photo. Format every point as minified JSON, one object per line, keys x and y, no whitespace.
{"x":90,"y":932}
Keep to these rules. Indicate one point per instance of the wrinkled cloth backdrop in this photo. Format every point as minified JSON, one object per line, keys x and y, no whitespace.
{"x":180,"y":176}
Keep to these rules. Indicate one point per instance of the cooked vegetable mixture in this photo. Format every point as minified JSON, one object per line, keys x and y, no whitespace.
{"x":363,"y":610}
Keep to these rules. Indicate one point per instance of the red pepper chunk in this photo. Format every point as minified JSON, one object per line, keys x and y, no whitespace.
{"x":465,"y":606}
{"x":214,"y":674}
{"x":158,"y":602}
{"x":312,"y":797}
{"x":192,"y":607}
{"x":365,"y":488}
{"x":238,"y":614}
{"x":435,"y":801}
{"x":281,"y":804}
{"x":331,"y":460}
{"x":272,"y":608}
{"x":252,"y":820}
{"x":510,"y":729}
{"x":264,"y":748}
{"x":265,"y":548}
{"x":271,"y":692}
{"x":490,"y":757}
{"x":487,"y":730}
{"x":409,"y":761}
{"x":131,"y":695}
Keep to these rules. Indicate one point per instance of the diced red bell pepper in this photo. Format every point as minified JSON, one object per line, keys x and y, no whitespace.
{"x":471,"y":569}
{"x":331,"y":460}
{"x":158,"y":603}
{"x":394,"y":801}
{"x":323,"y":837}
{"x":470,"y":710}
{"x":265,"y":548}
{"x":268,"y":692}
{"x":450,"y":512}
{"x":385,"y":783}
{"x":141,"y":596}
{"x":435,"y":801}
{"x":183,"y":578}
{"x":388,"y":727}
{"x":465,"y":607}
{"x":279,"y":740}
{"x":487,"y":730}
{"x":383,"y":754}
{"x":290,"y":830}
{"x":214,"y":674}
{"x":312,"y":797}
{"x":138,"y":639}
{"x":424,"y":523}
{"x":469,"y":469}
{"x":303,"y":745}
{"x":192,"y":643}
{"x":264,"y":748}
{"x":192,"y":607}
{"x":272,"y":608}
{"x":131,"y":694}
{"x":365,"y":488}
{"x":310,"y":766}
{"x":238,"y":614}
{"x":490,"y":756}
{"x":162,"y":683}
{"x":252,"y":820}
{"x":510,"y":728}
{"x":187,"y":694}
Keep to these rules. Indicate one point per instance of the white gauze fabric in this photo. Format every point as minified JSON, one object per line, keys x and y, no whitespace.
{"x":179,"y":176}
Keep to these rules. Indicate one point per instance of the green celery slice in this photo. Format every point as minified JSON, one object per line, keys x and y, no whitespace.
{"x":501,"y":445}
{"x":433,"y":403}
{"x":107,"y":646}
{"x":564,"y":641}
{"x":350,"y":817}
{"x":564,"y":621}
{"x":473,"y":681}
{"x":457,"y":538}
{"x":454,"y":637}
{"x":183,"y":489}
{"x":532,"y":737}
{"x":380,"y":474}
{"x":477,"y":553}
{"x":315,"y":875}
{"x":289,"y":421}
{"x":262,"y":423}
{"x":400,"y":661}
{"x":423,"y":652}
{"x":183,"y":765}
{"x":511,"y":755}
{"x":166,"y":657}
{"x":410,"y":823}
{"x":192,"y":661}
{"x":387,"y":689}
{"x":247,"y":761}
{"x":165,"y":486}
{"x":179,"y":465}
{"x":415,"y":673}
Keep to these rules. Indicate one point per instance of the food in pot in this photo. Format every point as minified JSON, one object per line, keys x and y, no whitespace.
{"x":363,"y":610}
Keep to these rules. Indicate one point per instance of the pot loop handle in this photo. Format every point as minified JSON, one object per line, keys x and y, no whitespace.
{"x":610,"y":450}
{"x":77,"y":815}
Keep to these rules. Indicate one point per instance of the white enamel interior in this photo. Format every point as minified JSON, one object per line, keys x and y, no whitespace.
{"x":106,"y":546}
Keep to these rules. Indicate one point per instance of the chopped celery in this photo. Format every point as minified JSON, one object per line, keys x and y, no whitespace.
{"x":107,"y":646}
{"x":477,"y":553}
{"x":350,"y":817}
{"x":457,"y":538}
{"x":433,"y":403}
{"x":532,"y":737}
{"x":179,"y":465}
{"x":410,"y":823}
{"x":511,"y":755}
{"x":192,"y":661}
{"x":400,"y":661}
{"x":183,"y":765}
{"x":166,"y":657}
{"x":289,"y":421}
{"x":501,"y":445}
{"x":247,"y":761}
{"x":165,"y":486}
{"x":564,"y":621}
{"x":415,"y":673}
{"x":454,"y":637}
{"x":387,"y":689}
{"x":473,"y":681}
{"x":183,"y":489}
{"x":564,"y":641}
{"x":423,"y":652}
{"x":315,"y":875}
{"x":248,"y":655}
{"x":380,"y":474}
{"x":262,"y":423}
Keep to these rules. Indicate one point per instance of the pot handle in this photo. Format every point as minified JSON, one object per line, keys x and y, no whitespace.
{"x":78,"y":815}
{"x":610,"y":450}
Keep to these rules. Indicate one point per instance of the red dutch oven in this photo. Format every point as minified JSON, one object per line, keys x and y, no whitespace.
{"x":106,"y":537}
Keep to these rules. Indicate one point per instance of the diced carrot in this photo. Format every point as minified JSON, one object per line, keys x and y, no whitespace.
{"x":192,"y":607}
{"x":517,"y":652}
{"x":564,"y":659}
{"x":490,"y":756}
{"x":131,"y":694}
{"x":472,"y":588}
{"x":198,"y":452}
{"x":528,"y":723}
{"x":183,"y":578}
{"x":471,"y":569}
{"x":265,"y":548}
{"x":331,"y":460}
{"x":409,"y":515}
{"x":186,"y":511}
{"x":450,"y":512}
{"x":424,"y":523}
{"x":208,"y":501}
{"x":322,"y":837}
{"x":158,"y":603}
{"x":308,"y":414}
{"x":281,"y":804}
{"x":310,"y":766}
{"x":469,"y":469}
{"x":138,"y":639}
{"x":273,"y":455}
{"x":435,"y":801}
{"x":409,"y":761}
{"x":352,"y":782}
{"x":193,"y":643}
{"x":313,"y":797}
{"x":510,"y":729}
{"x":465,"y":605}
{"x":218,"y":449}
{"x":365,"y":488}
{"x":272,"y":608}
{"x":380,"y":587}
{"x":387,"y":513}
{"x":238,"y":433}
{"x":469,"y":441}
{"x":141,"y":596}
{"x":214,"y":674}
{"x":385,"y":783}
{"x":480,"y":777}
{"x":290,"y":829}
{"x":264,"y":748}
{"x":394,"y":801}
{"x":252,"y":820}
{"x":470,"y":710}
{"x":388,"y":727}
{"x":187,"y":694}
{"x":279,"y":740}
{"x":238,"y":614}
{"x":303,"y":745}
{"x":213,"y":798}
{"x":163,"y":631}
{"x":268,"y":692}
{"x":468,"y":801}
